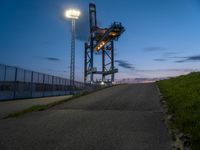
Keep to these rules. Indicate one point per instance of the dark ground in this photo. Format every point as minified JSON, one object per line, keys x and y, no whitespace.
{"x":126,"y":117}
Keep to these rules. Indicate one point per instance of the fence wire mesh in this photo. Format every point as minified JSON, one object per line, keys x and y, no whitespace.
{"x":17,"y":83}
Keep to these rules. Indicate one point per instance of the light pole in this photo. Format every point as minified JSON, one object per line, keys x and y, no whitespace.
{"x":72,"y":14}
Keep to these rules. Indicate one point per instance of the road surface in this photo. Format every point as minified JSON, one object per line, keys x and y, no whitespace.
{"x":126,"y":117}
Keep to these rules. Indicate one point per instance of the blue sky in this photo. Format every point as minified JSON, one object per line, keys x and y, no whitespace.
{"x":161,"y":39}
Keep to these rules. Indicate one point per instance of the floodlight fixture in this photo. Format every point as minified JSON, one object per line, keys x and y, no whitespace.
{"x":72,"y":13}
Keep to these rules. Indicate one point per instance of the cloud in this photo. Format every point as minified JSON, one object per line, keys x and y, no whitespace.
{"x":180,"y":61}
{"x":170,"y":54}
{"x":154,"y":48}
{"x":189,"y":59}
{"x":52,"y":59}
{"x":174,"y":56}
{"x":160,"y":59}
{"x":167,"y":70}
{"x":125,"y":64}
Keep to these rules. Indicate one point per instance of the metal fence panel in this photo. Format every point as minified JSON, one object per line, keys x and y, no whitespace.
{"x":35,"y":77}
{"x":40,"y":79}
{"x":2,"y":72}
{"x":17,"y":83}
{"x":10,"y":73}
{"x":28,"y":76}
{"x":46,"y":79}
{"x":20,"y":75}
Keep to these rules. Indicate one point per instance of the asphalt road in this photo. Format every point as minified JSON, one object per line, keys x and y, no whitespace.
{"x":126,"y":117}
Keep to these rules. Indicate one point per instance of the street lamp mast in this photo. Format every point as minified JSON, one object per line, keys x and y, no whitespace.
{"x":72,"y":14}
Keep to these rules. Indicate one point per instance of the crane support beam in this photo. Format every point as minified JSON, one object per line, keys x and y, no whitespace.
{"x":113,"y":33}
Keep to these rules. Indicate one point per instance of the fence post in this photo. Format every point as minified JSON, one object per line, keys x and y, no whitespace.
{"x":38,"y":78}
{"x":15,"y":84}
{"x":32,"y":84}
{"x":52,"y":86}
{"x":60,"y":86}
{"x":24,"y":76}
{"x":48,"y":86}
{"x":43,"y":84}
{"x":65,"y":86}
{"x":5,"y":73}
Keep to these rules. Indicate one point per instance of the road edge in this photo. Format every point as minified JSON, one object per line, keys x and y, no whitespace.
{"x":178,"y":138}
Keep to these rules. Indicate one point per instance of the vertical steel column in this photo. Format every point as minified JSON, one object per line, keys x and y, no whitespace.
{"x":85,"y":64}
{"x":103,"y":64}
{"x":91,"y":59}
{"x":93,"y":24}
{"x":112,"y":61}
{"x":93,"y":16}
{"x":72,"y":64}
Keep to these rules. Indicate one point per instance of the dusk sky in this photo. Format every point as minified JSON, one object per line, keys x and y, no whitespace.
{"x":162,"y":37}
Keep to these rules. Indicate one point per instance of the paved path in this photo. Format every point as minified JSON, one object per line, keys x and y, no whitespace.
{"x":7,"y":107}
{"x":126,"y":117}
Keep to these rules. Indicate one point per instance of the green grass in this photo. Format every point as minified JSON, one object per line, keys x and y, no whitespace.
{"x":182,"y":95}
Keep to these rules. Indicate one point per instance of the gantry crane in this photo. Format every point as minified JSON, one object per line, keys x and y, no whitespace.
{"x":101,"y":40}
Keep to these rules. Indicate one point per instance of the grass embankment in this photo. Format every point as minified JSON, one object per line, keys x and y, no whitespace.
{"x":182,"y":95}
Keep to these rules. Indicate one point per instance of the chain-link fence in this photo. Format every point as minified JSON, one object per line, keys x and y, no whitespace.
{"x":17,"y":83}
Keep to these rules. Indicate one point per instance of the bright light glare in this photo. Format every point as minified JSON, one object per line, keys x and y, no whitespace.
{"x":102,"y":83}
{"x":72,"y":13}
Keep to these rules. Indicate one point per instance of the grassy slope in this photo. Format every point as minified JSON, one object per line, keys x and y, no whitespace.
{"x":183,"y":99}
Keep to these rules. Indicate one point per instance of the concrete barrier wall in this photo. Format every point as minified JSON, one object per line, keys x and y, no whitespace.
{"x":10,"y":95}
